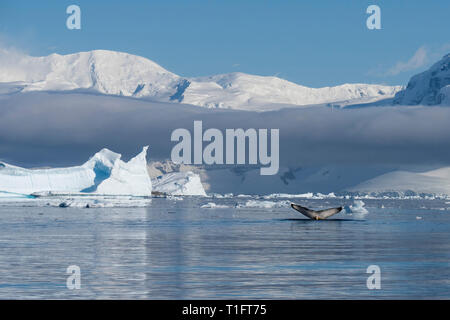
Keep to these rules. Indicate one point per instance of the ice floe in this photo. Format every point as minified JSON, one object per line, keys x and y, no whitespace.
{"x":212,"y":205}
{"x":264,"y":204}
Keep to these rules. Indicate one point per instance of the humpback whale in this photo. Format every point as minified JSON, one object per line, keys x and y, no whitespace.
{"x":316,"y":215}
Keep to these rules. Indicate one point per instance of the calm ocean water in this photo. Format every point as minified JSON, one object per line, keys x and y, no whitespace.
{"x":177,"y":250}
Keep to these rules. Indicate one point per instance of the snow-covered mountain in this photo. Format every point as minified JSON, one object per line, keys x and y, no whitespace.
{"x":244,"y":91}
{"x":435,"y":181}
{"x":431,"y":87}
{"x":101,"y":71}
{"x":117,"y":73}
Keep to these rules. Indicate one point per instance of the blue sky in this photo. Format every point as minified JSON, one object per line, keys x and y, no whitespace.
{"x":313,"y":43}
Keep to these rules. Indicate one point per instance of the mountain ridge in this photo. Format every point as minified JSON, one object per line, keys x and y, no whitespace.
{"x":123,"y":74}
{"x":431,"y":87}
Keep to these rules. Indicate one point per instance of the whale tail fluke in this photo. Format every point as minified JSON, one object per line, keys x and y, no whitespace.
{"x":316,"y":215}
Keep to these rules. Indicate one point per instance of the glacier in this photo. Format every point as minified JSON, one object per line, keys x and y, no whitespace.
{"x":104,"y":174}
{"x":123,"y":74}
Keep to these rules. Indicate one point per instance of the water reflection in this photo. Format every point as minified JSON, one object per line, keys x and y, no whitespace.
{"x":176,"y":250}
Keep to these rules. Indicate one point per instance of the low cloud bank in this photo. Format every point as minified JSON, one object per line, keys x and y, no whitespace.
{"x":60,"y":129}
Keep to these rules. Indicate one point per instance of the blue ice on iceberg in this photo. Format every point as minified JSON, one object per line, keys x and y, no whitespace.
{"x":104,"y":173}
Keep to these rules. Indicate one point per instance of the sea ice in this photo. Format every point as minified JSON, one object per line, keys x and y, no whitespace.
{"x":264,"y":204}
{"x":212,"y":205}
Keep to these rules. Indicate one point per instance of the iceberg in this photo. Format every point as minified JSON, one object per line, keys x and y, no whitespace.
{"x":128,"y":177}
{"x":357,"y":208}
{"x":184,"y":183}
{"x":104,"y":173}
{"x":9,"y":195}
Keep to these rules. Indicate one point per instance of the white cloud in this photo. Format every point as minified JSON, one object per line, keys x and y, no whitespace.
{"x":418,"y":60}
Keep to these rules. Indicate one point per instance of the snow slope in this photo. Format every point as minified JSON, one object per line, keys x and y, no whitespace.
{"x":102,"y":71}
{"x":431,"y":87}
{"x":244,"y":91}
{"x":326,"y":179}
{"x":444,"y":95}
{"x":117,"y":73}
{"x":435,"y":181}
{"x":104,"y":173}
